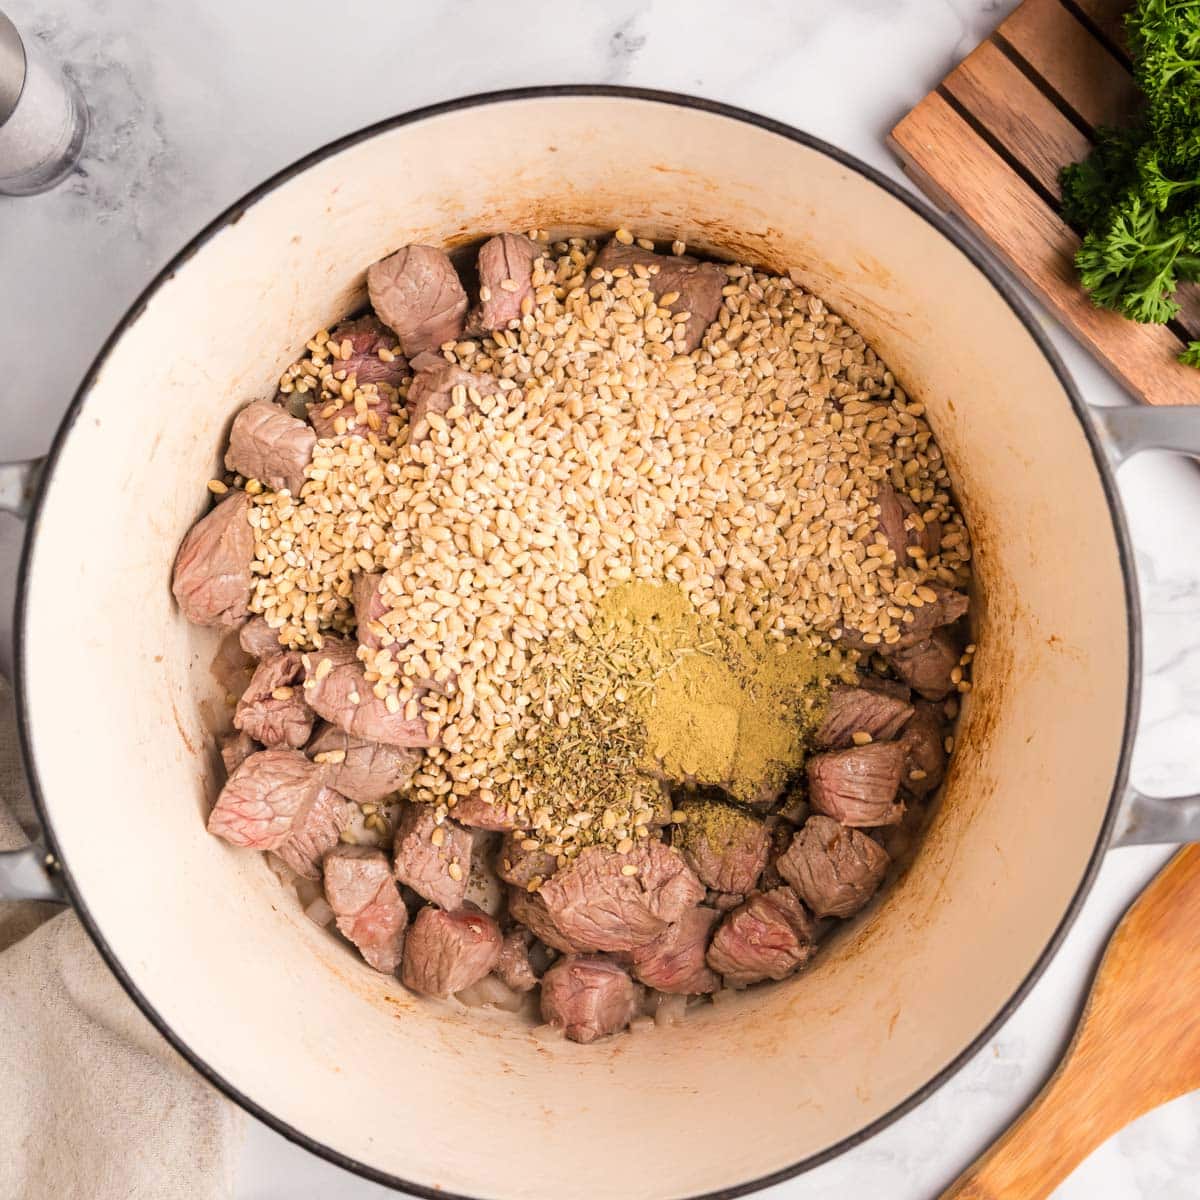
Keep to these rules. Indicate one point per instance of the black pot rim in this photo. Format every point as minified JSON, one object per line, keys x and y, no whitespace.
{"x":1007,"y":291}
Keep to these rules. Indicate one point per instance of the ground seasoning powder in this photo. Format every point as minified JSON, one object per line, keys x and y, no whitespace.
{"x":725,"y":709}
{"x":651,"y":691}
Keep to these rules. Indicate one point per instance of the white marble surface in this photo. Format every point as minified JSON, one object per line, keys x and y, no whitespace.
{"x":193,"y":104}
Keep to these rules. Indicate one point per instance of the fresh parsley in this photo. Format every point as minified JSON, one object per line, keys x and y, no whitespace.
{"x":1136,"y":198}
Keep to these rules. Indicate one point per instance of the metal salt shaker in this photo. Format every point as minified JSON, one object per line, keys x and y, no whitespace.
{"x":43,"y":118}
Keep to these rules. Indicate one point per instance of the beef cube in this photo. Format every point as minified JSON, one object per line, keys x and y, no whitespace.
{"x":780,"y":833}
{"x":446,"y":952}
{"x":341,"y":694}
{"x":589,"y":998}
{"x":231,"y":666}
{"x":793,"y":806}
{"x":604,"y":900}
{"x":835,"y":870}
{"x":886,"y":687}
{"x":268,"y":444}
{"x":258,"y":805}
{"x":432,"y":390}
{"x":519,"y":866}
{"x":926,"y":665}
{"x":924,"y":742}
{"x":258,"y":639}
{"x":363,"y":771}
{"x":513,"y":966}
{"x":724,"y":902}
{"x":235,"y":749}
{"x":903,"y":526}
{"x":858,"y":786}
{"x":417,"y":293}
{"x":485,"y":889}
{"x":366,"y":902}
{"x":768,"y":937}
{"x":273,"y":709}
{"x":697,"y":286}
{"x":724,"y":845}
{"x":434,"y":860}
{"x":367,"y":336}
{"x":324,"y":414}
{"x":767,"y":791}
{"x":919,"y":623}
{"x":477,"y":812}
{"x":211,"y":581}
{"x":506,"y":259}
{"x":854,"y":639}
{"x":852,"y":710}
{"x":277,"y":800}
{"x":371,"y":601}
{"x":318,"y":833}
{"x":674,"y":961}
{"x":376,"y":379}
{"x":529,"y":909}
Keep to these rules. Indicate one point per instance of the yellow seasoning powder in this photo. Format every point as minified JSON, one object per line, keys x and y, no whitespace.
{"x":722,"y":708}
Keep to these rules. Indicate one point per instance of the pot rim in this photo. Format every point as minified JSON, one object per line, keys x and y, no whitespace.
{"x":991,"y":271}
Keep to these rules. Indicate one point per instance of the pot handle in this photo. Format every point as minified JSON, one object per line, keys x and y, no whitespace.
{"x":31,"y":873}
{"x":1125,"y":431}
{"x":18,"y":483}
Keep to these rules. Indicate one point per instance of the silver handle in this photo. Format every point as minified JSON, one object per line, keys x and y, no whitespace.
{"x":1124,"y":432}
{"x":31,"y":874}
{"x":1129,"y":429}
{"x":18,"y":483}
{"x":1151,"y":820}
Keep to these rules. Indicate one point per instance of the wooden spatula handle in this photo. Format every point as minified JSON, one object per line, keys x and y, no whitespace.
{"x":1072,"y":1115}
{"x":1137,"y":1046}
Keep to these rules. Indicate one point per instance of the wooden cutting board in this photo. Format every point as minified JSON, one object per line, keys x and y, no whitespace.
{"x":987,"y":145}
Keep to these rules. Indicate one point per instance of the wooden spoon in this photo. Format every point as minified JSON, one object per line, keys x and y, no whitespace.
{"x":1137,"y":1046}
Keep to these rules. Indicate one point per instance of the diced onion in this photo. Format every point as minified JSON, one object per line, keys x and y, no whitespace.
{"x":319,"y":912}
{"x":307,"y":890}
{"x":469,"y":996}
{"x":670,"y":1010}
{"x":281,"y":870}
{"x":232,"y":666}
{"x":497,"y":992}
{"x":491,"y":989}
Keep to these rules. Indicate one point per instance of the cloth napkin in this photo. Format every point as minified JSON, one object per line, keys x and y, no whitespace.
{"x":94,"y":1104}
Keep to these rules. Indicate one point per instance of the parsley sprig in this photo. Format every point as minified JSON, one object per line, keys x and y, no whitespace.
{"x":1136,"y":198}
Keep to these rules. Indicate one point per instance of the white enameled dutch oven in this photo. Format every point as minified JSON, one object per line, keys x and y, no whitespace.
{"x":117,"y":702}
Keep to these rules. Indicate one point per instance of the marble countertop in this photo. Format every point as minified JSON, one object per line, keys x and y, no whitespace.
{"x":194,"y":104}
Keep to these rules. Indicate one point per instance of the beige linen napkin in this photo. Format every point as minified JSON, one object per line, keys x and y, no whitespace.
{"x":94,"y":1104}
